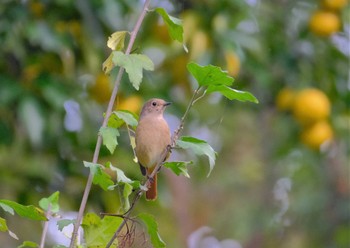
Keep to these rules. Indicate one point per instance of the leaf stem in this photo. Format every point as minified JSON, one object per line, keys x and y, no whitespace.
{"x":104,"y":124}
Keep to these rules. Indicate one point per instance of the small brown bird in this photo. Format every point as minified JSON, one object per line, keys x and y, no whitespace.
{"x":152,"y":138}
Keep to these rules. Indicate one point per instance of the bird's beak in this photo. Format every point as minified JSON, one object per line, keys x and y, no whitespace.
{"x":167,"y":104}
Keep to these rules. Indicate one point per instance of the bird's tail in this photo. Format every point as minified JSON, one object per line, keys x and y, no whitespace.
{"x":151,"y":193}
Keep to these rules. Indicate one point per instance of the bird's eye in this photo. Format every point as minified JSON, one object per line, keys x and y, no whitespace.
{"x":154,"y":103}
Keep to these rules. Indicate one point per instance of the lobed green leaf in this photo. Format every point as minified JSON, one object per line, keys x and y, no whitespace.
{"x":174,"y":25}
{"x":209,"y":75}
{"x":232,"y":94}
{"x":152,"y":228}
{"x":51,"y":200}
{"x":63,"y":223}
{"x":29,"y":212}
{"x":98,"y":232}
{"x":109,"y":137}
{"x":199,"y":147}
{"x":101,"y":178}
{"x":127,"y":117}
{"x":178,"y":167}
{"x":133,"y":64}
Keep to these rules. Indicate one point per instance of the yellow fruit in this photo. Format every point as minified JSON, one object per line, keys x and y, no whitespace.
{"x":233,"y":63}
{"x":324,"y":23}
{"x":311,"y":105}
{"x":132,"y":103}
{"x":190,"y":20}
{"x":335,"y":4}
{"x":199,"y":44}
{"x":101,"y":91}
{"x":285,"y":99}
{"x":318,"y":133}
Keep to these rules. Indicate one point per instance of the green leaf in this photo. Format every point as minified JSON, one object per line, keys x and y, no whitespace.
{"x":133,"y":64}
{"x":232,"y":94}
{"x":27,"y":244}
{"x":127,"y":190}
{"x":122,"y":178}
{"x":116,"y":40}
{"x":63,"y":223}
{"x":199,"y":147}
{"x":101,"y":178}
{"x":98,"y":232}
{"x":152,"y":228}
{"x":108,"y":64}
{"x":3,"y":225}
{"x":60,"y":246}
{"x":178,"y":167}
{"x":109,"y":137}
{"x":29,"y":212}
{"x":209,"y":75}
{"x":127,"y":117}
{"x":53,"y":200}
{"x":174,"y":25}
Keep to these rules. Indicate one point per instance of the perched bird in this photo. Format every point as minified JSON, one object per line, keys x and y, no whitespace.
{"x":152,"y":138}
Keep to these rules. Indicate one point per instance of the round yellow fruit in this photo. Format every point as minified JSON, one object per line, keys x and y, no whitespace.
{"x":233,"y":63}
{"x":335,"y":4}
{"x":324,"y":23}
{"x":311,"y":105}
{"x":285,"y":99}
{"x":132,"y":104}
{"x":317,"y":134}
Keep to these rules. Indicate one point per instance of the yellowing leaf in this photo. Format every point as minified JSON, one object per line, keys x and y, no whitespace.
{"x":108,"y":65}
{"x":116,"y":40}
{"x":134,"y":64}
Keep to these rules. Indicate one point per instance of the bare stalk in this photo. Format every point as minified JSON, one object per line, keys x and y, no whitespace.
{"x":140,"y":192}
{"x":104,"y":124}
{"x":46,"y":226}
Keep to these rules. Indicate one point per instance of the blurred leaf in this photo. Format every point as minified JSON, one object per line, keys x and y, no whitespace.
{"x":152,"y":228}
{"x":133,"y":64}
{"x":98,"y":232}
{"x":209,"y":75}
{"x":13,"y":235}
{"x":63,"y":223}
{"x":53,"y":200}
{"x":178,"y":167}
{"x":29,"y":212}
{"x":116,"y":40}
{"x":108,"y":65}
{"x":109,"y":137}
{"x":33,"y":120}
{"x":3,"y":225}
{"x":199,"y":147}
{"x":60,"y":246}
{"x":27,"y":244}
{"x":174,"y":25}
{"x":232,"y":94}
{"x":101,"y":178}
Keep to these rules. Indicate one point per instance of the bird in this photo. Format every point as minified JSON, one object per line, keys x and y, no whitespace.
{"x":152,"y":137}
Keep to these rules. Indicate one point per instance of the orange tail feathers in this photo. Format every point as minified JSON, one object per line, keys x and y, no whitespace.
{"x":151,"y":193}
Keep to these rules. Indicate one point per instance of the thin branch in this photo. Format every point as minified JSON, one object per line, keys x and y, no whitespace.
{"x":104,"y":124}
{"x":140,"y":192}
{"x":46,"y":227}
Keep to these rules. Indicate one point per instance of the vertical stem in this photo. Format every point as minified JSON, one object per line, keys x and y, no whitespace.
{"x":104,"y":124}
{"x":46,"y":226}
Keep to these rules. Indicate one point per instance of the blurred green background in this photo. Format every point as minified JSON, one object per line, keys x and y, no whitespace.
{"x":282,"y":172}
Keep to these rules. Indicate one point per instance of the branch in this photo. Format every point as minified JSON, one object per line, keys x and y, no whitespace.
{"x":140,"y":192}
{"x":104,"y":124}
{"x":46,"y":226}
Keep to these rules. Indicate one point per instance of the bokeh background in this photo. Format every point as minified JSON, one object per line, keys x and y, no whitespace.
{"x":282,"y":173}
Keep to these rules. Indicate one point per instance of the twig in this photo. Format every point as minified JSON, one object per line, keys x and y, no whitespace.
{"x":104,"y":124}
{"x":140,"y":192}
{"x":46,"y":226}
